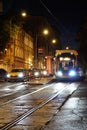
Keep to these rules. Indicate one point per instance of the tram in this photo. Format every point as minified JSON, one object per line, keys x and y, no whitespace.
{"x":67,"y":66}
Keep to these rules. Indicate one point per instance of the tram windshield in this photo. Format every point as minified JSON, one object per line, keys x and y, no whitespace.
{"x":66,"y":60}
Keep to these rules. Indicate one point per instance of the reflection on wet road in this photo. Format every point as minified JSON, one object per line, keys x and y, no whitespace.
{"x":14,"y":107}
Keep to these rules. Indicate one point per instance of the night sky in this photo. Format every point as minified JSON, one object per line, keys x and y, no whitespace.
{"x":66,"y":15}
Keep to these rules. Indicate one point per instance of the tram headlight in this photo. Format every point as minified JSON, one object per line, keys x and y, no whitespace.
{"x":59,"y":73}
{"x":72,"y":73}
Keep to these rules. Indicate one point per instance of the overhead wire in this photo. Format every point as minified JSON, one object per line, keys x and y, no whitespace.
{"x":53,"y":16}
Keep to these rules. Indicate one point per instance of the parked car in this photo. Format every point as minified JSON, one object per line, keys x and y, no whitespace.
{"x":36,"y":73}
{"x":44,"y":73}
{"x":30,"y":73}
{"x":3,"y":74}
{"x":18,"y":74}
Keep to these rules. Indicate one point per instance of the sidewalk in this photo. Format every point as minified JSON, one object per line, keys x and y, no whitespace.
{"x":73,"y":115}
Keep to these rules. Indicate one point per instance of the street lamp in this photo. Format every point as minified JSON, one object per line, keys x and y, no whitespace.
{"x":41,"y":51}
{"x":24,"y":14}
{"x":45,"y":31}
{"x":53,"y":41}
{"x":39,"y":34}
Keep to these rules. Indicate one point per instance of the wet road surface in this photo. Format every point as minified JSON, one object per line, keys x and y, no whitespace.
{"x":52,"y":116}
{"x":73,"y":115}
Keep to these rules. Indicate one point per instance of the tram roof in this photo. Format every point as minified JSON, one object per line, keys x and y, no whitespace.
{"x":58,"y":52}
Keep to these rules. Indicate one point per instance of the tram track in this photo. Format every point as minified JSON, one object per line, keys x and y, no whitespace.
{"x":36,"y":107}
{"x":30,"y":90}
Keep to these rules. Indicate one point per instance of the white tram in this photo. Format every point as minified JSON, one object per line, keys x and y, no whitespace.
{"x":67,"y":65}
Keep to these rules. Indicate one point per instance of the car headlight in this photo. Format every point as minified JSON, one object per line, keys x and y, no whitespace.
{"x":8,"y":75}
{"x":20,"y":75}
{"x":36,"y":74}
{"x":44,"y":72}
{"x":59,"y":73}
{"x":72,"y":73}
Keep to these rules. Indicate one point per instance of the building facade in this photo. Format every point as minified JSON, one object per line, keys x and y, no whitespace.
{"x":19,"y":52}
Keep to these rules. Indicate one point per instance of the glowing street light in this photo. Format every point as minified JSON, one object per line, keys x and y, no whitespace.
{"x":54,"y":41}
{"x":45,"y":31}
{"x":24,"y":14}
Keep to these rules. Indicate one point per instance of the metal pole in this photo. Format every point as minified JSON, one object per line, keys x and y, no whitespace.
{"x":36,"y":37}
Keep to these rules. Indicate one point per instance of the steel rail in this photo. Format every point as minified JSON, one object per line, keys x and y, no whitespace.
{"x":29,"y":112}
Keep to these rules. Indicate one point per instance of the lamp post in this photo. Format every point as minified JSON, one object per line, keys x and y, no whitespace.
{"x":39,"y":50}
{"x":46,"y":33}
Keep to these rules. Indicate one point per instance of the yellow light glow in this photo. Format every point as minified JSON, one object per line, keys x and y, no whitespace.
{"x":45,"y":32}
{"x":67,"y":48}
{"x":61,"y":58}
{"x":24,"y":14}
{"x":54,"y":41}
